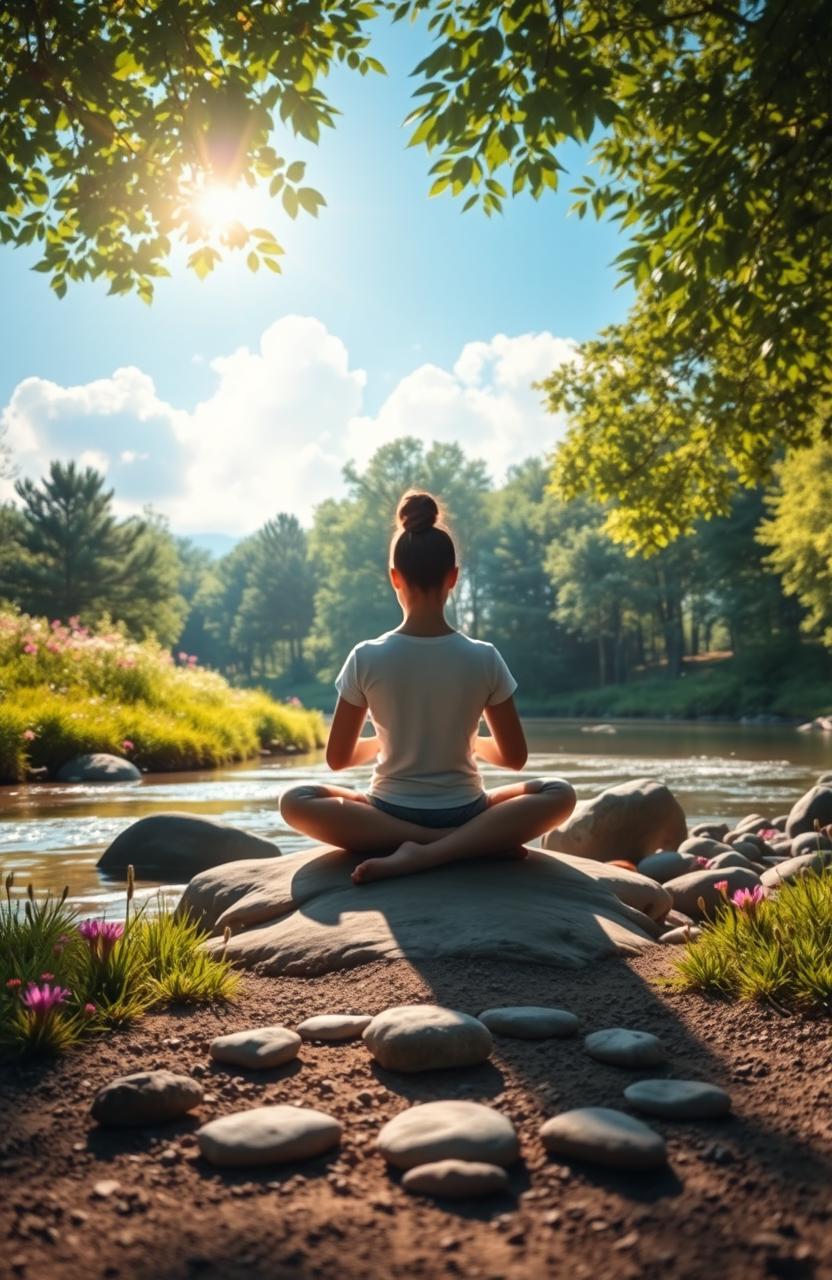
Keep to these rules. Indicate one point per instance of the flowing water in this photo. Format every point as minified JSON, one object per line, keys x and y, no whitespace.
{"x":53,"y":835}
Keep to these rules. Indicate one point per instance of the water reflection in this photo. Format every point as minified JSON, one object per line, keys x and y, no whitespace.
{"x":53,"y":835}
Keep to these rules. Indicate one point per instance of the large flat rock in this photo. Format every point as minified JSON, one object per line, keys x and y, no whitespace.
{"x":303,"y":915}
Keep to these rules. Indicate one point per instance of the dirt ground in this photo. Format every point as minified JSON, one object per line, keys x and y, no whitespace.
{"x":747,"y":1196}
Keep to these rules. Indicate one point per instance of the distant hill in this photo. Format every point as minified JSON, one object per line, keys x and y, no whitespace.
{"x":219,"y":544}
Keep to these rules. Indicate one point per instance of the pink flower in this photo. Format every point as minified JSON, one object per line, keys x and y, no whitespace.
{"x":192,"y":660}
{"x":701,"y":862}
{"x":13,"y":983}
{"x":42,"y":1000}
{"x":88,"y":1010}
{"x":100,"y":936}
{"x":28,"y":735}
{"x":29,"y":647}
{"x":127,"y":745}
{"x":769,"y":833}
{"x":721,"y":886}
{"x":295,"y":702}
{"x":183,"y":657}
{"x":75,"y":622}
{"x":748,"y":900}
{"x":55,"y":624}
{"x":47,"y":977}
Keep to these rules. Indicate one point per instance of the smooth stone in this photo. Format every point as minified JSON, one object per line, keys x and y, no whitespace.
{"x":456,"y":1179}
{"x":627,"y":821}
{"x":688,"y":890}
{"x":257,"y":1048}
{"x":267,"y":1135}
{"x":98,"y":767}
{"x":624,"y":1048}
{"x":779,"y":823}
{"x":678,"y":1099}
{"x":731,"y":858}
{"x":750,"y":845}
{"x":334,"y":1027}
{"x":681,"y":935}
{"x":303,"y":916}
{"x":146,"y":1097}
{"x":452,"y":1130}
{"x":794,"y":868}
{"x":713,"y":830}
{"x":675,"y":919}
{"x":666,"y":864}
{"x":814,"y":806}
{"x":809,"y":842}
{"x":601,"y":1135}
{"x":427,"y":1037}
{"x":530,"y":1022}
{"x":702,"y":847}
{"x":176,"y":846}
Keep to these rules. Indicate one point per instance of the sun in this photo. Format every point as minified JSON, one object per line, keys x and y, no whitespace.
{"x":219,"y":206}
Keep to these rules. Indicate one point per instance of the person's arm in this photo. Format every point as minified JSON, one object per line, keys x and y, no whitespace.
{"x":506,"y":747}
{"x":345,"y":747}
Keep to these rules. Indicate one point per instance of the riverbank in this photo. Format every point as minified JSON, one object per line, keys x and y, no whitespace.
{"x":741,"y":1197}
{"x":68,"y":691}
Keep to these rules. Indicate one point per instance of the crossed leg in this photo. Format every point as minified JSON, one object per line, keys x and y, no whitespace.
{"x":338,"y":816}
{"x":516,"y":813}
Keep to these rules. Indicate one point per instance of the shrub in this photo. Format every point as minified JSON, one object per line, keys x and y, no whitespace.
{"x":776,"y":948}
{"x":62,"y":978}
{"x":66,"y":691}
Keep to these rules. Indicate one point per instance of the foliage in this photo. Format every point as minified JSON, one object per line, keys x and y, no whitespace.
{"x":66,"y":690}
{"x":278,"y":603}
{"x":70,"y":556}
{"x":799,"y":534}
{"x":779,"y":950}
{"x":117,"y":115}
{"x":62,"y":979}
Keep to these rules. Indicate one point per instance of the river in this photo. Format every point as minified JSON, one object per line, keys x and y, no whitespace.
{"x":53,"y":835}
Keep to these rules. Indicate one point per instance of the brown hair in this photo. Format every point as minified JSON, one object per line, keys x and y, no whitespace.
{"x":422,"y":550}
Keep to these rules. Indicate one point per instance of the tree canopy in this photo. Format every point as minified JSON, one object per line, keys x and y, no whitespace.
{"x":710,"y":131}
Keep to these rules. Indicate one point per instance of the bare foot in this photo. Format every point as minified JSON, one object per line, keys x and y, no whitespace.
{"x":409,"y":857}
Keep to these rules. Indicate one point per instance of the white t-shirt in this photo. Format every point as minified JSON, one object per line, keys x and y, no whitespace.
{"x":425,"y":696}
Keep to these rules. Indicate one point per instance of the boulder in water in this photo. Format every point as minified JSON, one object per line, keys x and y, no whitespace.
{"x":176,"y":846}
{"x":628,"y":821}
{"x":303,"y":915}
{"x":98,"y":767}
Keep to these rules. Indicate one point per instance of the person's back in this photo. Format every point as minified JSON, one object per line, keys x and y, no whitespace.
{"x":426,"y":696}
{"x":425,"y":687}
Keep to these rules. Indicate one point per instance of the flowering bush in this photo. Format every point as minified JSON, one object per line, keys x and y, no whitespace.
{"x":66,"y":690}
{"x":773,"y":945}
{"x":106,"y":973}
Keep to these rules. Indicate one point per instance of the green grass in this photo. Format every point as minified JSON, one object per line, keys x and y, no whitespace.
{"x":66,"y":691}
{"x":104,"y":983}
{"x":780,"y":952}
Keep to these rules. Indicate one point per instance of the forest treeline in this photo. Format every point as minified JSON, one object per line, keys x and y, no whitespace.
{"x":570,"y":608}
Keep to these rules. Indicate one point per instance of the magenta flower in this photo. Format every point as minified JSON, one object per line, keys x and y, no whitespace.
{"x":748,"y":900}
{"x":88,"y":1010}
{"x":42,"y":1000}
{"x":28,"y":735}
{"x":721,"y":886}
{"x":100,"y":936}
{"x":127,"y":745}
{"x":13,"y":983}
{"x":702,"y":862}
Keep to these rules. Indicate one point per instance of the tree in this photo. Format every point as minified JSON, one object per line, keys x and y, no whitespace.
{"x":798,"y":534}
{"x":76,"y":559}
{"x":116,"y":116}
{"x":278,"y":603}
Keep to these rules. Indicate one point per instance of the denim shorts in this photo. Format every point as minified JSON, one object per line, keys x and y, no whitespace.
{"x":454,"y":817}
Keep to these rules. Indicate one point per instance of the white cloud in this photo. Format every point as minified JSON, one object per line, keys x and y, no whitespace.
{"x":280,"y":423}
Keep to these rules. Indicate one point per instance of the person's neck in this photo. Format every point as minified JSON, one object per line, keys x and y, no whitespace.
{"x":425,"y":620}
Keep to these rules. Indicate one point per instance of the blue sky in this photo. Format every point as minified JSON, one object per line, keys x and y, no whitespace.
{"x":395,"y":302}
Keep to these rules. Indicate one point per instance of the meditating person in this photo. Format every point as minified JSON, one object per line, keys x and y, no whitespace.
{"x":426,"y":688}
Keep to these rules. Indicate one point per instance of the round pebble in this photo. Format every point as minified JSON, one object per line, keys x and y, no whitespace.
{"x":623,"y":1048}
{"x":146,"y":1097}
{"x":426,"y":1037}
{"x":683,"y":934}
{"x":678,"y":1099}
{"x":456,"y":1179}
{"x":530,"y":1022}
{"x":267,"y":1135}
{"x":333,"y":1027}
{"x":259,"y":1048}
{"x":452,"y":1130}
{"x":603,"y":1136}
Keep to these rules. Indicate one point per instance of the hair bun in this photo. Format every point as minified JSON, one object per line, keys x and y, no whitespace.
{"x":417,"y":512}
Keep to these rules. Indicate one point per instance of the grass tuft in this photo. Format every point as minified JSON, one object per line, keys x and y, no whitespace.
{"x":780,"y":952}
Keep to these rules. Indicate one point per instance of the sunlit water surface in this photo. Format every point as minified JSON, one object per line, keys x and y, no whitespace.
{"x":53,"y":835}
